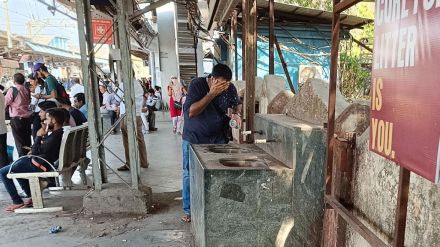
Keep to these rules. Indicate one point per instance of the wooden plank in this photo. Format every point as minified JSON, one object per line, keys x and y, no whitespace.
{"x":33,"y":174}
{"x":286,"y":71}
{"x":38,"y":210}
{"x":344,"y":5}
{"x":356,"y":224}
{"x":402,"y":207}
{"x":251,"y":64}
{"x":329,"y":233}
{"x":271,"y":37}
{"x":345,"y":147}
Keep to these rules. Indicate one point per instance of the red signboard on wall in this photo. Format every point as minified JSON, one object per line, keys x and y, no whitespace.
{"x":405,"y":102}
{"x":102,"y":31}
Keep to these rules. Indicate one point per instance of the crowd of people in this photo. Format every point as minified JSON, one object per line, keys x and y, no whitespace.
{"x":39,"y":106}
{"x":200,"y":110}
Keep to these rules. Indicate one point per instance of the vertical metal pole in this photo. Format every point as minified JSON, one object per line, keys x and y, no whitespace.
{"x":111,"y":63}
{"x":271,"y":37}
{"x":94,"y":86}
{"x":118,"y":62}
{"x":244,"y":15}
{"x":232,"y":39}
{"x":332,"y":96}
{"x":234,"y":28}
{"x":251,"y":64}
{"x":402,"y":207}
{"x":8,"y":24}
{"x":88,"y":86}
{"x":130,"y":107}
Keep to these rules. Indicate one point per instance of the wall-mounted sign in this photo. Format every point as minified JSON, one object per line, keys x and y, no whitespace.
{"x":102,"y":31}
{"x":405,"y":102}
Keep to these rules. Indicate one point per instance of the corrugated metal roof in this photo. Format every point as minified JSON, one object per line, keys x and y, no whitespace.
{"x":293,"y":12}
{"x":52,"y":51}
{"x":285,"y":12}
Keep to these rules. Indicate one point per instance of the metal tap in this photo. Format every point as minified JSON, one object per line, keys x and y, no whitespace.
{"x":259,"y":141}
{"x":250,"y":132}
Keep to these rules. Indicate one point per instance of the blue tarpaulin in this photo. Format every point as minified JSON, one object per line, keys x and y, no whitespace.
{"x":305,"y":44}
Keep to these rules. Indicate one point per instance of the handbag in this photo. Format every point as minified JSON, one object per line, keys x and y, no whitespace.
{"x":177,"y":105}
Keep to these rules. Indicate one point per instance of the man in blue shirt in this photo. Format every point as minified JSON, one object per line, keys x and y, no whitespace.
{"x":205,"y":118}
{"x":79,"y":102}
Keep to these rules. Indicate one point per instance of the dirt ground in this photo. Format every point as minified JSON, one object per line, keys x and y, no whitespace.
{"x":161,"y":227}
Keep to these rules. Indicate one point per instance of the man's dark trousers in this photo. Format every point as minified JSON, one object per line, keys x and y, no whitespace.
{"x":4,"y":159}
{"x":151,"y":117}
{"x":22,"y":132}
{"x":22,"y":166}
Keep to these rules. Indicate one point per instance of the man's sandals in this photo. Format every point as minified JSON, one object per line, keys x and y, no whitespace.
{"x":185,"y":219}
{"x":11,"y":208}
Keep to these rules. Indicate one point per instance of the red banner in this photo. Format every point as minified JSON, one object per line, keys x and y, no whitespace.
{"x":102,"y":31}
{"x":405,"y":102}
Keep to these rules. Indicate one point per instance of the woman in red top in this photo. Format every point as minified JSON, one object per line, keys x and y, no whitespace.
{"x":175,"y":93}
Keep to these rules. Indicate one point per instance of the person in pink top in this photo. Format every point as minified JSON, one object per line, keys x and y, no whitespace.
{"x":18,"y":98}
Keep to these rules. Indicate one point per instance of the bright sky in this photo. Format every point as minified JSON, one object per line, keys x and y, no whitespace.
{"x":22,"y":11}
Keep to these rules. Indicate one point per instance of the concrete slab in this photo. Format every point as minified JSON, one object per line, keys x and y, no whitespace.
{"x":117,"y":199}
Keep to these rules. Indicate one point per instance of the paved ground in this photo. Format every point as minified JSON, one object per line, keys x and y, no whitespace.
{"x":160,"y":228}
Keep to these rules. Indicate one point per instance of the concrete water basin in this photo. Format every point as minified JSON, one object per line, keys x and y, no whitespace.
{"x":243,"y":162}
{"x":227,"y":150}
{"x":240,"y":195}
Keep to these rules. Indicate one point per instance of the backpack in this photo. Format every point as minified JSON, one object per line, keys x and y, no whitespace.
{"x":61,"y":91}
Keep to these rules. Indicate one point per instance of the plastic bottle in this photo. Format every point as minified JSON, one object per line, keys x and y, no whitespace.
{"x":55,"y":229}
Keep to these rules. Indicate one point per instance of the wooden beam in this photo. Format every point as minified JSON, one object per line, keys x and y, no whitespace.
{"x":286,"y":71}
{"x":362,"y":45}
{"x":271,"y":37}
{"x":356,"y":224}
{"x":344,"y":5}
{"x":251,"y":63}
{"x":130,"y":107}
{"x":334,"y":55}
{"x":402,"y":206}
{"x":91,"y":90}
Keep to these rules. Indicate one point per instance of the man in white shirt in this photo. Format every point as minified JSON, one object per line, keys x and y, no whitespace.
{"x":139,"y":103}
{"x":76,"y":88}
{"x":151,"y":105}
